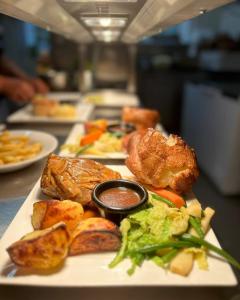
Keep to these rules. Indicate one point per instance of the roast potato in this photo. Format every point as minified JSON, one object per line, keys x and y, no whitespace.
{"x":49,"y":212}
{"x":95,"y":235}
{"x":91,"y":213}
{"x":41,"y":249}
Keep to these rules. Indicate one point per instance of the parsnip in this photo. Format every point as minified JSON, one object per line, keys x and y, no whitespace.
{"x":182,"y":263}
{"x":205,"y":222}
{"x":194,"y":209}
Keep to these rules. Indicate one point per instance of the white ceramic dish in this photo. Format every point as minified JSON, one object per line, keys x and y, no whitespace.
{"x":73,"y":138}
{"x":64,"y":96}
{"x":91,"y":270}
{"x":112,"y":98}
{"x":25,"y":115}
{"x":78,"y":130}
{"x":49,"y":144}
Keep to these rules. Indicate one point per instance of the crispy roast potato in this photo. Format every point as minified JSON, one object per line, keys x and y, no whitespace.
{"x":41,"y":249}
{"x":49,"y":212}
{"x":91,"y":213}
{"x":95,"y":235}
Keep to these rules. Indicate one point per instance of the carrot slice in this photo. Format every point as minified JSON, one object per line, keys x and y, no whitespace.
{"x":171,"y":196}
{"x":90,"y":138}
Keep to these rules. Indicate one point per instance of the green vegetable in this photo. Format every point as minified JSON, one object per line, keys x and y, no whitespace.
{"x":161,"y":261}
{"x":167,"y":244}
{"x":137,"y":260}
{"x":200,"y":242}
{"x":82,"y":149}
{"x":117,"y":134}
{"x":196,"y":224}
{"x":125,"y":226}
{"x":150,"y":226}
{"x":166,"y":201}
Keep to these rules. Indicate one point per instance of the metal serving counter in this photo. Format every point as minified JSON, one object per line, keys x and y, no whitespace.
{"x":14,"y":187}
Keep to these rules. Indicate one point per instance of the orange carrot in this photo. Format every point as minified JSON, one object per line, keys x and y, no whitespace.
{"x":90,"y":138}
{"x":171,"y":196}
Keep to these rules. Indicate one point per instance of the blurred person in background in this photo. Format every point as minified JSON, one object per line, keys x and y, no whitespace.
{"x":16,"y":87}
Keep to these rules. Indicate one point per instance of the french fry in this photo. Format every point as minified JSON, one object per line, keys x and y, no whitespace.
{"x":16,"y":148}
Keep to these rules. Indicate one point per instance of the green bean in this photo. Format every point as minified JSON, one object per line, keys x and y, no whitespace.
{"x":162,"y":260}
{"x":196,"y":224}
{"x":117,"y":134}
{"x":166,"y":244}
{"x":160,"y":198}
{"x":137,"y":260}
{"x":82,"y":149}
{"x":121,"y":253}
{"x":200,"y":242}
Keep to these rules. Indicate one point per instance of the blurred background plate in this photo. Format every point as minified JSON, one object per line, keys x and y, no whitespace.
{"x":49,"y":144}
{"x":25,"y":115}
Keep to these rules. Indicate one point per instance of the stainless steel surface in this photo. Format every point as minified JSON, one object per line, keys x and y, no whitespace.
{"x":19,"y":183}
{"x":47,"y":14}
{"x":144,"y":17}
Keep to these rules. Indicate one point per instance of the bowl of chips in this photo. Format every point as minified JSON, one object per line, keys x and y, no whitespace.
{"x":21,"y":148}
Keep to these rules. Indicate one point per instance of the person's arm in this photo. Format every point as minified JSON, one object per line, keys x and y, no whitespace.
{"x":8,"y":67}
{"x":16,"y":89}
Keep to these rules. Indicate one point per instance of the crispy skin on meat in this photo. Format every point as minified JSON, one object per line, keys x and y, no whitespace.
{"x":162,"y":162}
{"x":142,"y":118}
{"x":73,"y":178}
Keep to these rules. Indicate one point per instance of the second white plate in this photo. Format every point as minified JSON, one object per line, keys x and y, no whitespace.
{"x":25,"y":115}
{"x":73,"y":138}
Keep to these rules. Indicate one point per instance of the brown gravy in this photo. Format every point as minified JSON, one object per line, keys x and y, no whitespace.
{"x":120,"y":197}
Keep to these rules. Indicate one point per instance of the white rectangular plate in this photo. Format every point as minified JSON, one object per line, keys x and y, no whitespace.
{"x":73,"y":138}
{"x":91,"y":270}
{"x":78,"y":130}
{"x":113,"y":98}
{"x":25,"y":115}
{"x":64,"y":96}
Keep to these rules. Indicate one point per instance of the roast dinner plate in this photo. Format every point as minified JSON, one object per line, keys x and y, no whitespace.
{"x":91,"y":270}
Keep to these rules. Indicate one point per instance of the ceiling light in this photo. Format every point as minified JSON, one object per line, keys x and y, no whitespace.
{"x":106,"y":33}
{"x":106,"y":39}
{"x":104,"y":21}
{"x":108,"y":1}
